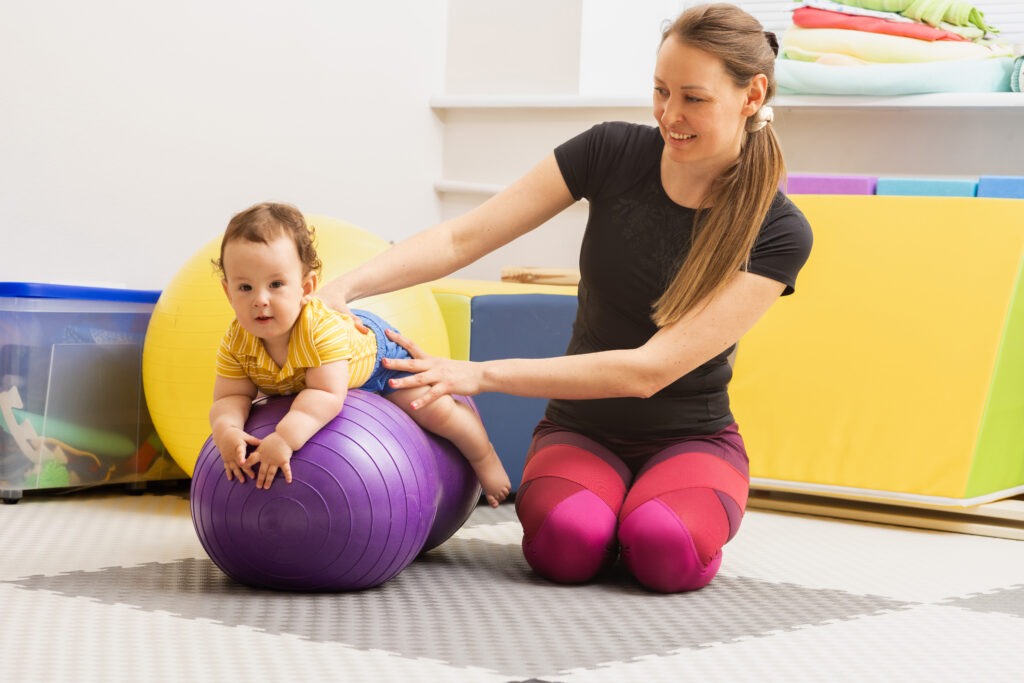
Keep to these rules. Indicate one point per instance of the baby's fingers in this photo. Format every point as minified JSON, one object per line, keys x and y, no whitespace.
{"x":266,"y":477}
{"x":243,"y":464}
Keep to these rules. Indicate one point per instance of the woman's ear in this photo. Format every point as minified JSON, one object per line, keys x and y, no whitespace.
{"x":756,"y":92}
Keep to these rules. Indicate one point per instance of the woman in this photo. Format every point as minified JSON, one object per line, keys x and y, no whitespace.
{"x":688,"y":243}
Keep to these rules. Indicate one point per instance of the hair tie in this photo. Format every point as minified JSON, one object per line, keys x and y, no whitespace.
{"x":773,"y":42}
{"x":762,"y":118}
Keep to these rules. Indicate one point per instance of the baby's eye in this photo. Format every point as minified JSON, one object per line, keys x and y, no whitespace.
{"x":276,"y":283}
{"x":245,"y":288}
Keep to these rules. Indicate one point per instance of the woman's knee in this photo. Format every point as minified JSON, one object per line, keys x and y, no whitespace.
{"x":677,"y":517}
{"x":660,"y":550}
{"x":568,"y":505}
{"x":568,"y":531}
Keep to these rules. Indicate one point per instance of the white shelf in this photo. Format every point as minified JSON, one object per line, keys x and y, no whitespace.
{"x":536,"y":102}
{"x":977,"y":100}
{"x":984,"y":100}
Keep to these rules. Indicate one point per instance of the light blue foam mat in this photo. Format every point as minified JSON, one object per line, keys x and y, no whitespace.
{"x":1005,"y":186}
{"x":927,"y":187}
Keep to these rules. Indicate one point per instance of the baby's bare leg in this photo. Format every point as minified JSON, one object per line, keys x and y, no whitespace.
{"x":456,"y":422}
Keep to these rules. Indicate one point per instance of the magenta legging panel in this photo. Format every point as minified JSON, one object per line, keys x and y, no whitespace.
{"x":580,"y":505}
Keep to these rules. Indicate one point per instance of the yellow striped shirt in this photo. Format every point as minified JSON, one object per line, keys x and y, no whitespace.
{"x":319,"y":336}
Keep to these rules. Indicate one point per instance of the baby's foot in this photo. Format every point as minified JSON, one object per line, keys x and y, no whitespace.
{"x":493,"y":479}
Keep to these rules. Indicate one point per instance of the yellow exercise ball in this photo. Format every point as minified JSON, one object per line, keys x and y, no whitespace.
{"x":192,"y":314}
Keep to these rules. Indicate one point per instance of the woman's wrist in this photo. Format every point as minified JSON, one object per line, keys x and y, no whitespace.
{"x":337,"y":289}
{"x":489,"y":376}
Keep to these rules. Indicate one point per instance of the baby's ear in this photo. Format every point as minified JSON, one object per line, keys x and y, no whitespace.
{"x":224,"y":284}
{"x":309,"y":283}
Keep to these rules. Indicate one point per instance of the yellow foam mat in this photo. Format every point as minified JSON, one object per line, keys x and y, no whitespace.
{"x":875,"y":374}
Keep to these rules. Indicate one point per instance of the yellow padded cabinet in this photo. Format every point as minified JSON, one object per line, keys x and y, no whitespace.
{"x":876,"y":378}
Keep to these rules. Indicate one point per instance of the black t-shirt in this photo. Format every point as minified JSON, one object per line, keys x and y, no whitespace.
{"x":635,"y":241}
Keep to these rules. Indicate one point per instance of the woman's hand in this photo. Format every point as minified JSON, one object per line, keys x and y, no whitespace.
{"x":442,"y":375}
{"x":334,"y":296}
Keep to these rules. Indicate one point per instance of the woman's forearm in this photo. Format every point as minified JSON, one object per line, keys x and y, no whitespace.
{"x":425,"y":256}
{"x":605,"y":374}
{"x":441,"y":250}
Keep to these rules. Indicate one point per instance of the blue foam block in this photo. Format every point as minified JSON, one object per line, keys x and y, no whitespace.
{"x":927,"y":187}
{"x":517,"y":326}
{"x":1007,"y":186}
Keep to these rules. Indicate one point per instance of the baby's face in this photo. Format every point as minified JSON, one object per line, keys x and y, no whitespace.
{"x":266,"y":286}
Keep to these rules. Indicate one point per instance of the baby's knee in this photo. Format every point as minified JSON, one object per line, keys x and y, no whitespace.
{"x":430,"y":416}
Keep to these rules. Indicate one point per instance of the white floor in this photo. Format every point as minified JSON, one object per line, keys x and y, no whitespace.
{"x":106,"y":586}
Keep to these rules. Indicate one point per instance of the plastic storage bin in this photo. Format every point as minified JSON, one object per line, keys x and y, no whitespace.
{"x":72,"y":410}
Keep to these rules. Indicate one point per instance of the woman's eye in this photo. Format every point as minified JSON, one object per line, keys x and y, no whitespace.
{"x":691,"y":98}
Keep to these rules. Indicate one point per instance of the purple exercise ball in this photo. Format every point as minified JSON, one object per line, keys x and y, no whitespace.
{"x":365,"y":496}
{"x":460,"y":489}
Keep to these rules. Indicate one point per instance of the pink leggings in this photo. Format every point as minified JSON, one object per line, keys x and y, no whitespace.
{"x":579,"y":503}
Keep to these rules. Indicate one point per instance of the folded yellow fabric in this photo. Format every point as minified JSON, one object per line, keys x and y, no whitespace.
{"x":808,"y":44}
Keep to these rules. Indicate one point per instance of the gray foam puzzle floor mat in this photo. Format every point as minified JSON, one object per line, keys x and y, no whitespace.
{"x":100,"y":586}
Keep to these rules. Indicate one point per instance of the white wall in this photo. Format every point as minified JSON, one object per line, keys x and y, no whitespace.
{"x":525,"y":47}
{"x":131,"y":132}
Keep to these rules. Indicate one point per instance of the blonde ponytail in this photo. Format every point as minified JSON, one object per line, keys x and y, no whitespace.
{"x":739,"y":200}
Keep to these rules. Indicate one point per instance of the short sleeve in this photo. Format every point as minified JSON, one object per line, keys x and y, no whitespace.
{"x":228,"y":365}
{"x":783,"y":245}
{"x":609,"y":155}
{"x":332,"y":338}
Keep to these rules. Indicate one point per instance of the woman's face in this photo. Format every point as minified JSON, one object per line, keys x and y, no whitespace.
{"x":700,"y":111}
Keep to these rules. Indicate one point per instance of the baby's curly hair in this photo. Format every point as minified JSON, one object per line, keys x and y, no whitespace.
{"x":263,"y":222}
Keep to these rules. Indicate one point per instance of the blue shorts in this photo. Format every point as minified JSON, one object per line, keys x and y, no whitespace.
{"x":386,"y":348}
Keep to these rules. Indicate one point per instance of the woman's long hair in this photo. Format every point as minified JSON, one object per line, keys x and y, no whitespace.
{"x":729,"y":219}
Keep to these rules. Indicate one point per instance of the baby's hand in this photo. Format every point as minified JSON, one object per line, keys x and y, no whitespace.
{"x":273,"y":454}
{"x":232,"y":447}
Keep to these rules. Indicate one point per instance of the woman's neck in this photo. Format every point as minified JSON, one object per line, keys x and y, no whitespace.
{"x":689,"y":184}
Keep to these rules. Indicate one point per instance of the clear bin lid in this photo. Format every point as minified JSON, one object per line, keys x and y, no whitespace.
{"x":36,"y":290}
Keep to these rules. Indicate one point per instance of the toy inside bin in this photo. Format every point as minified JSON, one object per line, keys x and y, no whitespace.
{"x":72,"y":409}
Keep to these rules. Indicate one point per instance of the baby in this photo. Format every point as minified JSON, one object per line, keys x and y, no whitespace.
{"x":284,"y":340}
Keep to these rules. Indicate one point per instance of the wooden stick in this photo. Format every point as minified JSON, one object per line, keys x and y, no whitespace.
{"x":537,"y":275}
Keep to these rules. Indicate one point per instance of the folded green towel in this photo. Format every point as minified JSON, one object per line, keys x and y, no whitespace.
{"x":931,"y":12}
